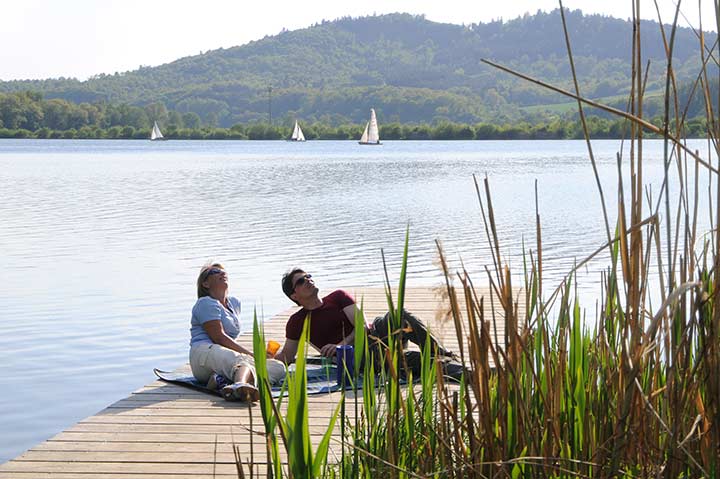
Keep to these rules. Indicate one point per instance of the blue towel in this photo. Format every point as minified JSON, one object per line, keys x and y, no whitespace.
{"x":320,"y":379}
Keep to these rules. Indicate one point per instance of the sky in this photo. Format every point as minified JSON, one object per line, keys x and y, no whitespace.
{"x":82,"y":38}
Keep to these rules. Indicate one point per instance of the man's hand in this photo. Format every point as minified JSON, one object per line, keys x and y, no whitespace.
{"x":328,"y":350}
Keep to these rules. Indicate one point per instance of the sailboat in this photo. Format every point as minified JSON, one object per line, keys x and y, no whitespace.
{"x":371,"y":135}
{"x":156,"y":134}
{"x":297,"y":134}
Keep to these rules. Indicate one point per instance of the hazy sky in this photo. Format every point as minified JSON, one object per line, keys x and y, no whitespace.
{"x":80,"y":38}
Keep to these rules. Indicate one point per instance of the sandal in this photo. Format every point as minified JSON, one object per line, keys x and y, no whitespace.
{"x":243,"y":392}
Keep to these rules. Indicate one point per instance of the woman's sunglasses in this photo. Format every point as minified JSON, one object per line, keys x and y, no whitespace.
{"x":213,"y":271}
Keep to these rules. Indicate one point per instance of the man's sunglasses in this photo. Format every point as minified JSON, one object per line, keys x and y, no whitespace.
{"x":301,"y":280}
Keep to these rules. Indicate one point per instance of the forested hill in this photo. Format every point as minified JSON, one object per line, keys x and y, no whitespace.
{"x":408,"y":68}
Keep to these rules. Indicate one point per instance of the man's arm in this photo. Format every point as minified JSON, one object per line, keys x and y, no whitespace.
{"x":350,"y":311}
{"x":329,"y":349}
{"x":288,"y":351}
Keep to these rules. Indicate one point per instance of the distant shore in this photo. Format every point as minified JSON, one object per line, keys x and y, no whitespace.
{"x":598,"y":128}
{"x":648,"y":137}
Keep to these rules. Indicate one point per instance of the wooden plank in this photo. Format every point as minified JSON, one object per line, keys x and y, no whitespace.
{"x":160,"y":446}
{"x":179,"y":415}
{"x":170,"y":438}
{"x":34,"y":474}
{"x":116,"y":436}
{"x":102,"y":469}
{"x":222,"y":455}
{"x":148,"y":456}
{"x":146,"y":429}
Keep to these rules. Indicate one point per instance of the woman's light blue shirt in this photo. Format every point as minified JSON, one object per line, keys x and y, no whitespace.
{"x":210,"y":309}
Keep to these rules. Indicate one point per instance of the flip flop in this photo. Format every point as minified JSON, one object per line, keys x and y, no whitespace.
{"x":243,"y":392}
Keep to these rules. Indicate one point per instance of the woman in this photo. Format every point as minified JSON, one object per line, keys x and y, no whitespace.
{"x":213,"y":351}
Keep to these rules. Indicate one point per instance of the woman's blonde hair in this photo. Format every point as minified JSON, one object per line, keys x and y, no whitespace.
{"x":202,"y":290}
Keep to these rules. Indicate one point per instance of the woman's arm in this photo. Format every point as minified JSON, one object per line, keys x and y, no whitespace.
{"x":215,"y":330}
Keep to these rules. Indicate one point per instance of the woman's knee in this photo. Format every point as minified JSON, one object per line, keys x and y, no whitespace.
{"x":276,"y":371}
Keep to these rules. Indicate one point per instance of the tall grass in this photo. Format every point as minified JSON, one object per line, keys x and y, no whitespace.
{"x":633,"y":392}
{"x":294,"y":428}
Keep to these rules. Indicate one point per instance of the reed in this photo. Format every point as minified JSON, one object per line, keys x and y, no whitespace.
{"x":293,"y":428}
{"x":633,"y":392}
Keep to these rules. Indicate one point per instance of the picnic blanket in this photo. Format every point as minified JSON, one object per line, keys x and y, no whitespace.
{"x":320,"y":379}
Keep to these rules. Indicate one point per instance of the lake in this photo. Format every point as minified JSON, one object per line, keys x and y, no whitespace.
{"x":101,"y":242}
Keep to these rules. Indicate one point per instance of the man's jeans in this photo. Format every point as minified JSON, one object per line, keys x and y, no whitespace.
{"x":412,"y":330}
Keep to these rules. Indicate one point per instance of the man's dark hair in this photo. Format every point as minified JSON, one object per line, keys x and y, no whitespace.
{"x":287,"y":282}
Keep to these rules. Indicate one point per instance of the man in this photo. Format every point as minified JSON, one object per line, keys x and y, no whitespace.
{"x":332,"y":320}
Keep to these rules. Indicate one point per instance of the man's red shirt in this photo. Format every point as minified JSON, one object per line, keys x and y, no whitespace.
{"x":328,"y":324}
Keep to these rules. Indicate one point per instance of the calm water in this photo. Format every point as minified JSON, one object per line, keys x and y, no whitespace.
{"x":101,"y":242}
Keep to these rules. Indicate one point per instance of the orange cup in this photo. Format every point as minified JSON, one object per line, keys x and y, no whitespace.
{"x":272,"y":347}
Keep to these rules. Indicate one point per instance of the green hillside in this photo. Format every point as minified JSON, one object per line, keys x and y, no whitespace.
{"x":409,"y":69}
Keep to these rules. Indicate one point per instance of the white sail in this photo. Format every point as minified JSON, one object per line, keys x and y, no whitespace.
{"x":297,"y":134}
{"x":371,"y":135}
{"x":364,"y":137}
{"x":156,"y":134}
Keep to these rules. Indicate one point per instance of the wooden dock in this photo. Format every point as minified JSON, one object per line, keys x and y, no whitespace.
{"x":169,"y":431}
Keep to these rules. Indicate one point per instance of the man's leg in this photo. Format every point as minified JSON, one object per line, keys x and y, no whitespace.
{"x":454,"y":369}
{"x":416,"y":332}
{"x":377,"y":341}
{"x":381,"y":329}
{"x":413,"y":361}
{"x":412,"y":330}
{"x":451,"y":369}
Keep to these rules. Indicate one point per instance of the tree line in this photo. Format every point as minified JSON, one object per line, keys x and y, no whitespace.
{"x":599,"y":128}
{"x":28,"y":110}
{"x":28,"y":115}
